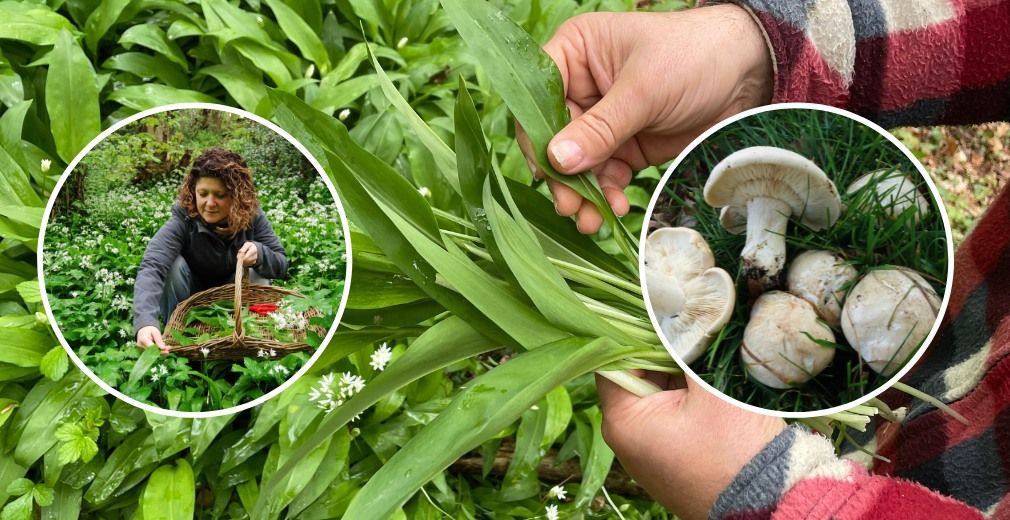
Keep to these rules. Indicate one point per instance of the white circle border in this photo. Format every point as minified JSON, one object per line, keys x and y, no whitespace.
{"x":936,"y":197}
{"x":344,"y":228}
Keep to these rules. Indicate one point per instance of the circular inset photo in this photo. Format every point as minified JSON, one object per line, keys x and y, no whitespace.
{"x":796,"y":259}
{"x":193,"y":260}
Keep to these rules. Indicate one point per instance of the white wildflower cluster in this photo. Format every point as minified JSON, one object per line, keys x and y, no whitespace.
{"x":56,"y":260}
{"x":107,"y":281}
{"x":266,"y":353}
{"x":120,"y":303}
{"x":329,"y":393}
{"x":279,"y":370}
{"x":157,"y":372}
{"x":286,"y":318}
{"x":558,"y":492}
{"x":86,"y":262}
{"x":381,"y":357}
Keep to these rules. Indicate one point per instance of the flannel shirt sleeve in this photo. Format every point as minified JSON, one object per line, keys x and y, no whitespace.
{"x":797,"y":476}
{"x":895,"y":62}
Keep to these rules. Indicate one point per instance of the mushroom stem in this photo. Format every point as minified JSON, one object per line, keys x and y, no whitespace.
{"x":764,"y":255}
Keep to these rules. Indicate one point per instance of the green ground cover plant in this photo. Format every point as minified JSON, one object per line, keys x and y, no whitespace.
{"x":437,"y":397}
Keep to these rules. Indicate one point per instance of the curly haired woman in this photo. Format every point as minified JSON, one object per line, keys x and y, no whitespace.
{"x":216,"y":222}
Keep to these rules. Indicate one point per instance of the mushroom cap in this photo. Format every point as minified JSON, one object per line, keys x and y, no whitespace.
{"x":679,"y":252}
{"x":896,"y":192}
{"x":769,"y":172}
{"x":887,"y":315}
{"x":777,"y":350}
{"x":821,"y":278}
{"x":709,"y":299}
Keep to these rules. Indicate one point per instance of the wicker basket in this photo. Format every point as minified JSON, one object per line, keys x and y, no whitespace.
{"x":238,"y":345}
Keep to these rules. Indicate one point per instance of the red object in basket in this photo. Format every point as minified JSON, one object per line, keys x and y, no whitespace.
{"x":263,"y":308}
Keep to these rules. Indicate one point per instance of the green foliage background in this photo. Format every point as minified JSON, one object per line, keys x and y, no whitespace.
{"x":72,"y":68}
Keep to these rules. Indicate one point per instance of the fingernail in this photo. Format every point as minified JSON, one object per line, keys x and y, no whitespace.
{"x":568,"y":154}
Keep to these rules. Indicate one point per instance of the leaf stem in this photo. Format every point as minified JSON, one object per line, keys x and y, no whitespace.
{"x":931,"y":400}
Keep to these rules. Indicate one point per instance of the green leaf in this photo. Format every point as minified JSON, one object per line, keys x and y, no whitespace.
{"x":538,"y":277}
{"x":244,"y":85}
{"x":596,"y":464}
{"x":487,"y":405}
{"x":19,"y":487}
{"x":101,"y":19}
{"x":509,"y":313}
{"x":142,"y":97}
{"x":146,"y":66}
{"x":43,"y":495}
{"x":170,"y":493}
{"x":303,"y":36}
{"x":521,"y":478}
{"x":31,"y":23}
{"x":75,"y":444}
{"x":267,"y":59}
{"x":20,"y":509}
{"x":153,"y":37}
{"x":444,"y":157}
{"x":23,"y":347}
{"x":529,"y":82}
{"x":71,"y":98}
{"x":17,"y":190}
{"x":31,"y":216}
{"x":330,"y":98}
{"x":559,"y":414}
{"x":55,"y":363}
{"x":7,"y":407}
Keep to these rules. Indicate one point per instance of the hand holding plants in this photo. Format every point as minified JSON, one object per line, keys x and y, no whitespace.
{"x":683,"y":445}
{"x":151,"y":335}
{"x":641,"y":86}
{"x":248,"y":254}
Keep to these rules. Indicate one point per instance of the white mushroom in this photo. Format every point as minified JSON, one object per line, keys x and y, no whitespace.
{"x":771,"y":184}
{"x":778,"y":343}
{"x":821,"y":278}
{"x":887,"y":315}
{"x":895,"y":192}
{"x":692,"y":299}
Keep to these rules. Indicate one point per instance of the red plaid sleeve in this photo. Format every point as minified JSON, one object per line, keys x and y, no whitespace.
{"x":896,"y":62}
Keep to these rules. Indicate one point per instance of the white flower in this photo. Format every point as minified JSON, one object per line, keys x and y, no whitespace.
{"x":261,"y":353}
{"x":552,"y":512}
{"x":424,"y":191}
{"x":400,"y":44}
{"x":205,"y":351}
{"x":45,"y":165}
{"x":344,"y":114}
{"x":309,"y":72}
{"x":557,"y":492}
{"x":273,"y":353}
{"x":350,"y":384}
{"x":280,"y":370}
{"x":381,"y":357}
{"x":154,"y":378}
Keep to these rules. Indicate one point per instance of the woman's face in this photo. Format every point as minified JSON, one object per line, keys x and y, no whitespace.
{"x":213,"y":201}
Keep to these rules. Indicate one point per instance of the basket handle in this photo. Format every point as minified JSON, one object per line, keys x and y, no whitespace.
{"x":241,"y":280}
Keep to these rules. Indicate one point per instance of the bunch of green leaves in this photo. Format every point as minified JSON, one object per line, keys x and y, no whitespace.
{"x":865,"y":235}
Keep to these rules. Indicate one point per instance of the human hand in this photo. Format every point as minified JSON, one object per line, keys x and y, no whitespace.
{"x":640,"y":87}
{"x":151,"y":335}
{"x":248,"y":254}
{"x":683,"y":445}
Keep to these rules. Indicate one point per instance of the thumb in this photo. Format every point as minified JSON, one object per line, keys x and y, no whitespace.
{"x":595,"y":135}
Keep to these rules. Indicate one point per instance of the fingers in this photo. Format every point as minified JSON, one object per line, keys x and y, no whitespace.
{"x":596,"y":135}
